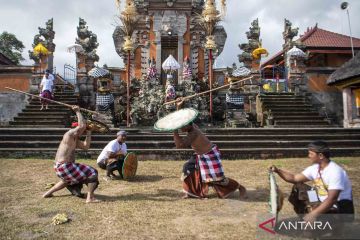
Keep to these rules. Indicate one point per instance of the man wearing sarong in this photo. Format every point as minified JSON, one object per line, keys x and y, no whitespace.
{"x":74,"y":175}
{"x":331,"y":191}
{"x":204,"y":169}
{"x":112,"y":156}
{"x":46,"y":89}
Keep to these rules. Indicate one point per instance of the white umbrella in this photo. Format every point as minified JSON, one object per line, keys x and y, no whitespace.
{"x":241,"y":72}
{"x":75,"y":48}
{"x":296,"y":52}
{"x":97,"y":72}
{"x":170,"y":64}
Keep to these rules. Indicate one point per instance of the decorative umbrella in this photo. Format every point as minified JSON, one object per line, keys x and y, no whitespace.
{"x":170,"y":64}
{"x":97,"y":72}
{"x":296,"y":52}
{"x":40,"y":49}
{"x":241,"y":72}
{"x":75,"y":48}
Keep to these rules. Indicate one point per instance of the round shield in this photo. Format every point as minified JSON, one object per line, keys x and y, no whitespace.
{"x":130,"y":165}
{"x":97,"y":126}
{"x":176,"y":120}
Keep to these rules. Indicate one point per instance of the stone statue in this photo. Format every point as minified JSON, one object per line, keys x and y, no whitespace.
{"x":88,"y":40}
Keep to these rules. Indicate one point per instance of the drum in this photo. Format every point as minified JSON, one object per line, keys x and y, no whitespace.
{"x":129,"y":166}
{"x":176,"y":120}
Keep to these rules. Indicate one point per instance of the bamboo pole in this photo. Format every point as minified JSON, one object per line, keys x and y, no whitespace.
{"x":205,"y":92}
{"x":53,"y":101}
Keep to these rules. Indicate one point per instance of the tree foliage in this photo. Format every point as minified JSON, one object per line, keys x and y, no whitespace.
{"x":11,"y":47}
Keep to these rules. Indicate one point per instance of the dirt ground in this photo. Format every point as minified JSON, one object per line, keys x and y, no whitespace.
{"x":148,"y":207}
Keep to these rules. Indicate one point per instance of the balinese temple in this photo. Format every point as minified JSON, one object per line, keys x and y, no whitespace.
{"x":325,"y":52}
{"x":169,"y":27}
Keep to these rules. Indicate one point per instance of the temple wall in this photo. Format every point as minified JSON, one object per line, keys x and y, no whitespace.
{"x":152,"y":39}
{"x":187,"y":39}
{"x":11,"y":104}
{"x":201,"y":62}
{"x":328,"y":97}
{"x":137,"y":62}
{"x":15,"y":77}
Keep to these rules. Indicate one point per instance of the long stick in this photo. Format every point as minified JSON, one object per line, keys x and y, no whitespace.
{"x":208,"y":91}
{"x":53,"y":101}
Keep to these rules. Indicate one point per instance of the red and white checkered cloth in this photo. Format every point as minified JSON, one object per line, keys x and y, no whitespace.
{"x":73,"y":173}
{"x":210,"y":165}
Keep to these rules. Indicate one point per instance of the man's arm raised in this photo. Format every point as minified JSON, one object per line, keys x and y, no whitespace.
{"x":76,"y":132}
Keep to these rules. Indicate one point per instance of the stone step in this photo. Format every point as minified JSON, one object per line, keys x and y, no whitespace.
{"x":38,"y":103}
{"x":297,"y":113}
{"x":180,"y":154}
{"x":38,"y":122}
{"x":291,"y":109}
{"x":41,"y":113}
{"x":32,"y":126}
{"x":39,"y":117}
{"x":297,"y":117}
{"x":296,"y":122}
{"x":302,"y":126}
{"x":171,"y":145}
{"x":287,"y":105}
{"x":208,"y":131}
{"x":212,"y":137}
{"x":55,"y":106}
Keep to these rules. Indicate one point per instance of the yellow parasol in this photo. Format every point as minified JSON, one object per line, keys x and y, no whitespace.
{"x":258,"y":52}
{"x":40,"y":49}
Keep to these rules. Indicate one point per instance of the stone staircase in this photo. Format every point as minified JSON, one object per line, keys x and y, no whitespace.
{"x":234,"y":143}
{"x":293,"y":111}
{"x":57,"y":116}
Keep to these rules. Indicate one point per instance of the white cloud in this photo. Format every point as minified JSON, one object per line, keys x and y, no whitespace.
{"x":23,"y":17}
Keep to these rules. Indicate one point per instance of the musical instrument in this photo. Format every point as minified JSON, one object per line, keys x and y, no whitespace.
{"x":129,"y":166}
{"x":176,"y":120}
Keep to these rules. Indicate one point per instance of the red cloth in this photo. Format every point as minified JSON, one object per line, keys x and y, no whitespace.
{"x":73,"y":173}
{"x":210,"y":165}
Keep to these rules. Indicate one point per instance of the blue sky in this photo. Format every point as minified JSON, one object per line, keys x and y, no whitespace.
{"x":23,"y":17}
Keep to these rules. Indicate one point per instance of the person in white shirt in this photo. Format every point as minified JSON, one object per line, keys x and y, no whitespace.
{"x":331,"y":185}
{"x":46,"y":89}
{"x":112,"y":156}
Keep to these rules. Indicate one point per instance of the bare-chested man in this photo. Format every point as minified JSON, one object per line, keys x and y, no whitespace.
{"x":204,"y":169}
{"x":72,"y":173}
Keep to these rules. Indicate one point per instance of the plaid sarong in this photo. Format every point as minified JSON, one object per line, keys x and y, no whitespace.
{"x":73,"y":173}
{"x":210,"y":165}
{"x":104,"y":101}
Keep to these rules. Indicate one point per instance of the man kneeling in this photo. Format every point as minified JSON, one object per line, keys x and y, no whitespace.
{"x":204,"y":169}
{"x":74,"y":175}
{"x":112,"y":156}
{"x":332,"y":187}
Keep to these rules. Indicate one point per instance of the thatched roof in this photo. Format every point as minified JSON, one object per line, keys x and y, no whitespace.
{"x":349,"y":70}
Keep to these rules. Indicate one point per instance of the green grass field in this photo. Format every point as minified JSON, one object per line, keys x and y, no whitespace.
{"x":148,"y":207}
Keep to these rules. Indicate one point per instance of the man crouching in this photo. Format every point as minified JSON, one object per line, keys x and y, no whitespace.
{"x":72,"y":174}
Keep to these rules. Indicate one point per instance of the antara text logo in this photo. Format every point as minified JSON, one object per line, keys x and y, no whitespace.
{"x":271,"y":227}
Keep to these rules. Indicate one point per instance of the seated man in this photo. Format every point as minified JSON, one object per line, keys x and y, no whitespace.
{"x":204,"y":169}
{"x":74,"y":175}
{"x":331,"y":183}
{"x":112,"y":156}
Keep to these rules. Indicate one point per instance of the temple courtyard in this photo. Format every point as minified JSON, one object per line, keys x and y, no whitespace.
{"x":147,"y":207}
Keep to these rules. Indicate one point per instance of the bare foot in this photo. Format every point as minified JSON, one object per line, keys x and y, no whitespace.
{"x":46,"y":107}
{"x":93,"y":200}
{"x":185,"y":196}
{"x":242,"y":191}
{"x":41,"y":108}
{"x":47,"y":195}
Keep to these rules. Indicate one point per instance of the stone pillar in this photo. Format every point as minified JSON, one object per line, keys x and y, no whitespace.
{"x":180,"y":56}
{"x":347,"y":107}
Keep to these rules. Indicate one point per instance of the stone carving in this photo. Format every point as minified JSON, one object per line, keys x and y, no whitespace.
{"x":88,"y":40}
{"x":289,"y":33}
{"x":46,"y":36}
{"x":253,"y":36}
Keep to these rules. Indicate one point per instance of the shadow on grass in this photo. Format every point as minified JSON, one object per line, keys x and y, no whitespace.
{"x":163,"y":195}
{"x":257,"y":195}
{"x":146,"y":178}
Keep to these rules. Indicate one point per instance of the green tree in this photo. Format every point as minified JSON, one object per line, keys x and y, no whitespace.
{"x":11,"y":47}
